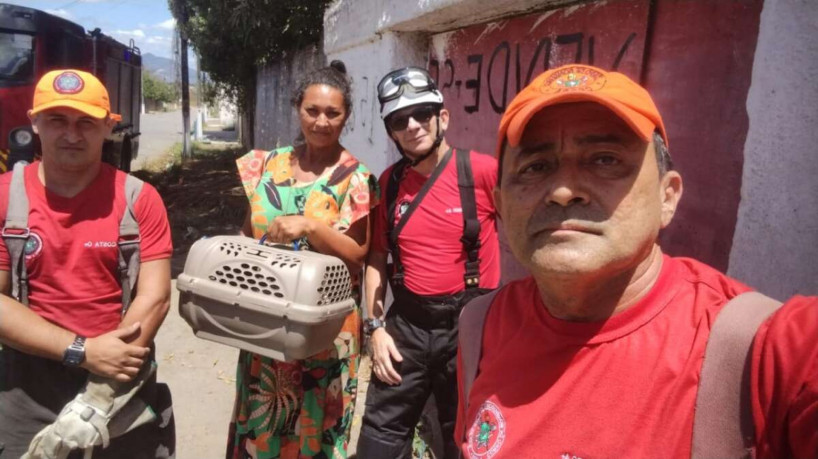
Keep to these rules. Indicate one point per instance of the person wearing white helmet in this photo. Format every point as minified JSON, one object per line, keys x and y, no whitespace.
{"x":438,"y":222}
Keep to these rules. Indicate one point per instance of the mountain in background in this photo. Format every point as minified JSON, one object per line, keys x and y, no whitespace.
{"x":162,"y":67}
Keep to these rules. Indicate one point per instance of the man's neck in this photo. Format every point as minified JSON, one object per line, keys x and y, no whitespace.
{"x":428,"y":165}
{"x":67,"y":183}
{"x":586,"y":299}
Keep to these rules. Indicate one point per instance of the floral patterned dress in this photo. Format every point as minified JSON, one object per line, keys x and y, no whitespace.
{"x":304,"y":408}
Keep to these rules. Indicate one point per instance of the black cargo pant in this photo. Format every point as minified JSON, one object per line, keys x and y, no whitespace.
{"x":34,"y":390}
{"x":425,"y":332}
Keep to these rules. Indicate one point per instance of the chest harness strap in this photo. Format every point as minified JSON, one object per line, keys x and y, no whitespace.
{"x":16,"y":235}
{"x":468,"y":203}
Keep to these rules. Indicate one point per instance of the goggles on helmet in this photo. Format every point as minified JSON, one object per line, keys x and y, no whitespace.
{"x":395,"y":83}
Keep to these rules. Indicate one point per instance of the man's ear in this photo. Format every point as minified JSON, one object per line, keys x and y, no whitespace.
{"x":110,"y":123}
{"x":33,"y":119}
{"x":444,"y":120}
{"x":671,"y":193}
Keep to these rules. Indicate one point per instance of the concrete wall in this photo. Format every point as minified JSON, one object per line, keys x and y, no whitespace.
{"x":276,"y":122}
{"x":375,"y":36}
{"x":775,"y":247}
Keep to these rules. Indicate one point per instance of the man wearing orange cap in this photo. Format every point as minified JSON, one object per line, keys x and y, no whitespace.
{"x":65,"y":309}
{"x":601,"y":351}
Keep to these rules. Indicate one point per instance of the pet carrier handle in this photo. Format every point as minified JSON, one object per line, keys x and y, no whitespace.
{"x":295,"y":243}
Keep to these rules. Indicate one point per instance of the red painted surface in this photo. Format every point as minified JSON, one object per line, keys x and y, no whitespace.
{"x":694,"y":56}
{"x":481,"y":68}
{"x":700,"y":61}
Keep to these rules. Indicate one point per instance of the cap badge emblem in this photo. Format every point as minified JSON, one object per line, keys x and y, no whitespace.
{"x":573,"y":79}
{"x":68,"y":83}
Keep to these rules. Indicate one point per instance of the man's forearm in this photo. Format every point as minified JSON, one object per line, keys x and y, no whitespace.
{"x":150,"y":313}
{"x":375,"y":284}
{"x":152,"y":301}
{"x":24,"y":330}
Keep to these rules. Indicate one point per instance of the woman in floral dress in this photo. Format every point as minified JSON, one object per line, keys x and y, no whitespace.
{"x":318,"y":195}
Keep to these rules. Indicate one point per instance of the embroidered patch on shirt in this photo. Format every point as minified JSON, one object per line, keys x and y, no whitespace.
{"x":488,"y":432}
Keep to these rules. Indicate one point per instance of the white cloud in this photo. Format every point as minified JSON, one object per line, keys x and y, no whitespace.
{"x":136,"y":33}
{"x":170,"y":24}
{"x":156,"y":39}
{"x":61,"y":13}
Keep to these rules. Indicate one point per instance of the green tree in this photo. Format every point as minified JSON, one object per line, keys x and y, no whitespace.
{"x":155,"y":88}
{"x":233,"y":38}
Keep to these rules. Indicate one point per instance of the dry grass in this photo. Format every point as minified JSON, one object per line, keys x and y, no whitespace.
{"x":203,"y":196}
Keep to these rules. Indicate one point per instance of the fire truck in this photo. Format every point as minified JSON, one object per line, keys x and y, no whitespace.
{"x":32,"y":43}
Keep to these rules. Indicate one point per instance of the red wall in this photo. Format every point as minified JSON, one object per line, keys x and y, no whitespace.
{"x":694,"y":56}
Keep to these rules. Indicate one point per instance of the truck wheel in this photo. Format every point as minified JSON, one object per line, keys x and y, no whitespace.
{"x":127,"y":155}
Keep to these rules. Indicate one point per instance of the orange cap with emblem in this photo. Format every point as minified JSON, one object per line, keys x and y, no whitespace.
{"x":73,"y":89}
{"x":581,"y":83}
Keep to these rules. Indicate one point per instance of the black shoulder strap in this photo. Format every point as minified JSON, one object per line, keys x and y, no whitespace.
{"x":394,"y":231}
{"x":471,"y":225}
{"x":392,"y":187}
{"x":723,"y":420}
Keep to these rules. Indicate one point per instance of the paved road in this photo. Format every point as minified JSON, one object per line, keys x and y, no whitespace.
{"x":159,"y":132}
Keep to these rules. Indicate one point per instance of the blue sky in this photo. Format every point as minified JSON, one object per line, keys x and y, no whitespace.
{"x":147,"y":22}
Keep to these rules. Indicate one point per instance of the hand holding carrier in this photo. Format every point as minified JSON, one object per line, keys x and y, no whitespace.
{"x":270,"y":300}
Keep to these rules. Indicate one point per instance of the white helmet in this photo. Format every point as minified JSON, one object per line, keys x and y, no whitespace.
{"x":407,"y":87}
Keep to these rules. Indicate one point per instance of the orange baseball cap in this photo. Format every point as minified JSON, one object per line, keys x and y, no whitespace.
{"x":581,"y":83}
{"x":73,"y":89}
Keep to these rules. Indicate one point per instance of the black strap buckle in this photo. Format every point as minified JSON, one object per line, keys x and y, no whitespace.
{"x":472,"y":275}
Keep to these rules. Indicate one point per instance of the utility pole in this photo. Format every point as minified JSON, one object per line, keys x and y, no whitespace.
{"x":186,"y":153}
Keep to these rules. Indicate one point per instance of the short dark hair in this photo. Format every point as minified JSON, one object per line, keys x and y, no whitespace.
{"x":663,"y":159}
{"x":334,"y":76}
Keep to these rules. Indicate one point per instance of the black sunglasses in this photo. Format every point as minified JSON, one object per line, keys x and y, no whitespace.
{"x":421,"y":114}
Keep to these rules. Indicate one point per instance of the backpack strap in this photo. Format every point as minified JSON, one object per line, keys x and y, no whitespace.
{"x":16,"y":232}
{"x":723,"y":423}
{"x":470,"y":337}
{"x":128,"y":243}
{"x":471,"y":225}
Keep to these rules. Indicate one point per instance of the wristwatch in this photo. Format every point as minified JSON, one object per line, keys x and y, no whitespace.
{"x":75,"y":353}
{"x":370,"y":325}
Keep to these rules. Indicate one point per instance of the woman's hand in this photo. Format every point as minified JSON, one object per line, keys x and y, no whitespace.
{"x":288,"y":228}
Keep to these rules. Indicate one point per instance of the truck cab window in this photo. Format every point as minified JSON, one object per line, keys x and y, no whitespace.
{"x":16,"y":58}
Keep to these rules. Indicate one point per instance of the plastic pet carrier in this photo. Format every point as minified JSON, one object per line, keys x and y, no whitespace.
{"x":270,"y":300}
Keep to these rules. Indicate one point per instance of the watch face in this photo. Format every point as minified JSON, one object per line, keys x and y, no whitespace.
{"x":75,"y":353}
{"x":372,"y":324}
{"x":73,"y":357}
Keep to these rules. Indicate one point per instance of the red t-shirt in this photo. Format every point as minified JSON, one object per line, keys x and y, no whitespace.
{"x":72,"y":256}
{"x":626,"y":387}
{"x":431,"y":251}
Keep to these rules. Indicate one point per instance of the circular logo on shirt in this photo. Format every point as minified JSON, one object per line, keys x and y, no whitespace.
{"x":488,"y":432}
{"x":68,"y":83}
{"x":34,"y":245}
{"x":573,"y":79}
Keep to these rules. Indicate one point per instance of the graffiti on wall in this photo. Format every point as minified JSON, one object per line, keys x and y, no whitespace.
{"x":480,"y":68}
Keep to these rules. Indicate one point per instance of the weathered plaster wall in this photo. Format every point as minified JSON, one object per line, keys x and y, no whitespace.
{"x":375,"y":36}
{"x":775,"y":247}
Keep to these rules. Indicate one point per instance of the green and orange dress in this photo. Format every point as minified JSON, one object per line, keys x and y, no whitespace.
{"x":303,"y":408}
